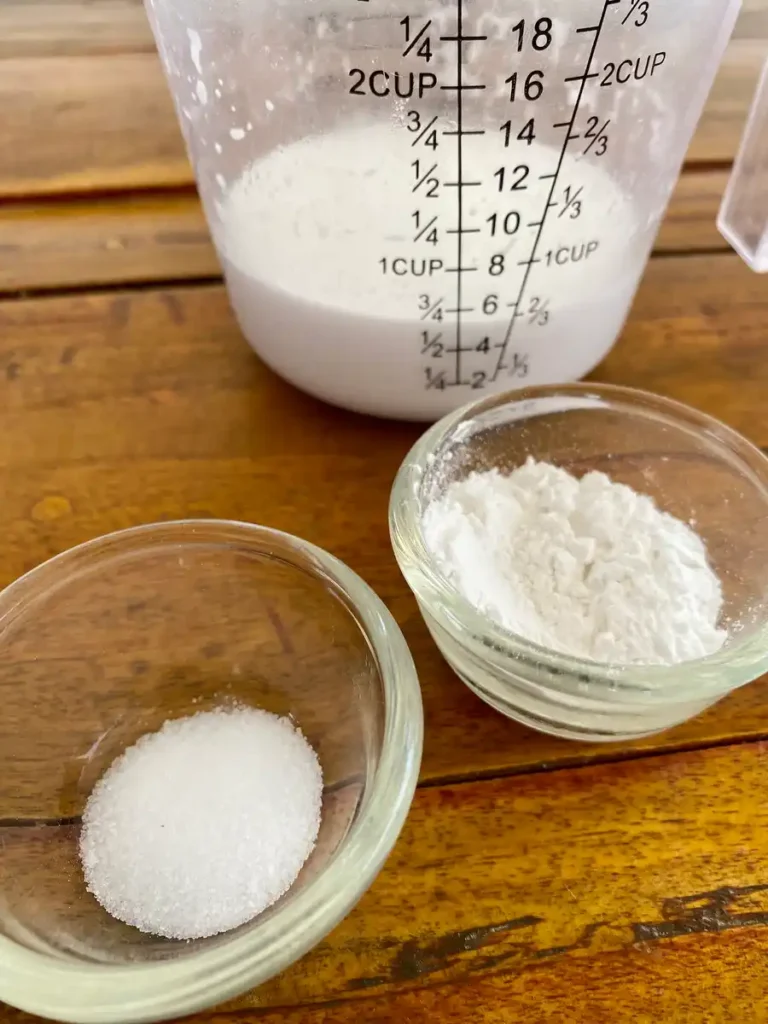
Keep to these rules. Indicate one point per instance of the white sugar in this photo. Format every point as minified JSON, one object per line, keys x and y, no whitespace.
{"x":199,"y":827}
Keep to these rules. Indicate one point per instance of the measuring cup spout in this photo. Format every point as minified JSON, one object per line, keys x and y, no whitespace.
{"x":743,"y":217}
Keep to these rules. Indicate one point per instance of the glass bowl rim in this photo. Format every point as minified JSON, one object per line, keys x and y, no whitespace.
{"x":86,"y":992}
{"x":738,"y":662}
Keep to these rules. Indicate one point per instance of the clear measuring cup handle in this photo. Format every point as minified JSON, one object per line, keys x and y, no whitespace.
{"x":743,"y":216}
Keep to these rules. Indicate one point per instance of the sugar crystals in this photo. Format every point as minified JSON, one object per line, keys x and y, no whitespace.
{"x":199,"y":827}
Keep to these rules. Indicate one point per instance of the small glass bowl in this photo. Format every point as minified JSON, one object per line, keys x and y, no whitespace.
{"x":692,"y":466}
{"x":106,"y":642}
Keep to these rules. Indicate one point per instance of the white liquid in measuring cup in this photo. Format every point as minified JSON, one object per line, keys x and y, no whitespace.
{"x":342,"y":254}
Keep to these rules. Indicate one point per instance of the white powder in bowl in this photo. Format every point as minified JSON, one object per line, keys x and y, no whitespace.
{"x":199,"y":827}
{"x":587,"y":567}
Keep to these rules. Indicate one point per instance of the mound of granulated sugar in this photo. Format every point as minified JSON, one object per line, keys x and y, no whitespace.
{"x":197,"y":828}
{"x":587,"y":567}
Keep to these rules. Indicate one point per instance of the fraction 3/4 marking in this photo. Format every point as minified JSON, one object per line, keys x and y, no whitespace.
{"x":431,"y":310}
{"x":423,"y":131}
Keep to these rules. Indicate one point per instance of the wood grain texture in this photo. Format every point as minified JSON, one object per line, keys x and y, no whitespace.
{"x":47,"y":28}
{"x":120,"y":240}
{"x":84,"y":123}
{"x":719,"y":131}
{"x":484,"y":884}
{"x":690,"y":221}
{"x":131,"y":407}
{"x":631,"y":892}
{"x":70,"y":67}
{"x":49,"y":245}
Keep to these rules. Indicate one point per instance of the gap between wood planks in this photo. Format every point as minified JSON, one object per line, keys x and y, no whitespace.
{"x":581,"y":762}
{"x":180,"y":283}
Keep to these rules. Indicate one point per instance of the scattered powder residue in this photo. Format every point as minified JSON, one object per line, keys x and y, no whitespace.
{"x":195,"y":49}
{"x":585,"y":566}
{"x":237,"y":134}
{"x":199,"y":827}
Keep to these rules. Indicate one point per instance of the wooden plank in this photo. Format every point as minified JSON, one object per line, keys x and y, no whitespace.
{"x":125,"y":408}
{"x":68,"y":128}
{"x":47,"y":28}
{"x":107,"y":241}
{"x":690,"y":221}
{"x":619,"y":865}
{"x":631,"y":892}
{"x":719,"y":131}
{"x":701,"y":979}
{"x":78,"y":124}
{"x":48,"y":245}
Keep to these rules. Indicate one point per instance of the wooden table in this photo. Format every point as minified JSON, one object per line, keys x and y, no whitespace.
{"x":536,"y":880}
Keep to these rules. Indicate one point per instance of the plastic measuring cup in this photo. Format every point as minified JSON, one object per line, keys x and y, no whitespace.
{"x":419,"y":203}
{"x":743,"y":217}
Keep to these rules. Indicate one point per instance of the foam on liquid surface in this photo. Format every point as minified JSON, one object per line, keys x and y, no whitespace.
{"x":313,"y":234}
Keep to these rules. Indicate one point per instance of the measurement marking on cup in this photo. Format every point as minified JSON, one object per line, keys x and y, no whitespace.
{"x":598,"y":136}
{"x":419,"y":37}
{"x":569,"y":125}
{"x":421,"y":179}
{"x":431,"y":310}
{"x":459,"y":178}
{"x":425,"y":229}
{"x":462,"y":39}
{"x":571,"y":203}
{"x":639,"y":8}
{"x":431,"y":344}
{"x":423,"y":132}
{"x":461,"y":86}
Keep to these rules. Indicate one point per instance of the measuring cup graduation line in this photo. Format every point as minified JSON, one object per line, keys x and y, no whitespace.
{"x":529,"y":263}
{"x":460,"y":178}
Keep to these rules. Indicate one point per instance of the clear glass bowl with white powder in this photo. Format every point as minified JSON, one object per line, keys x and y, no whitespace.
{"x":105,"y":643}
{"x":713,"y":481}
